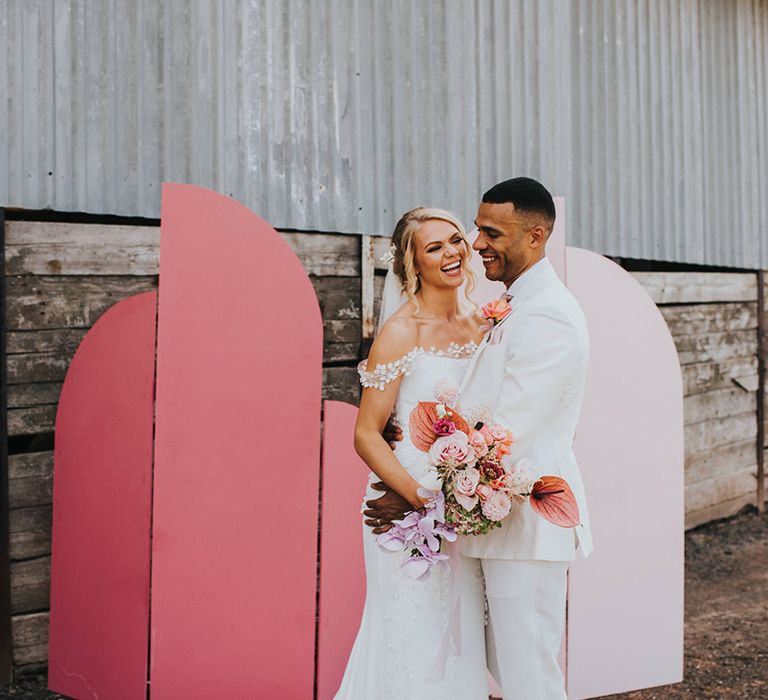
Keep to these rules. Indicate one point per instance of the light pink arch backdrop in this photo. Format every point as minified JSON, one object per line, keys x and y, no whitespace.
{"x":237,"y":457}
{"x":625,"y":610}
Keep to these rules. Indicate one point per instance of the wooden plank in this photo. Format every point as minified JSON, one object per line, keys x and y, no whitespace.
{"x":725,"y":509}
{"x":54,"y":248}
{"x":326,"y":254}
{"x":30,"y":638}
{"x":378,"y":292}
{"x":30,"y":532}
{"x":720,"y":460}
{"x":341,"y":384}
{"x":30,"y":585}
{"x":698,"y":287}
{"x":36,"y":367}
{"x":341,"y":341}
{"x":339,"y":297}
{"x":723,"y":431}
{"x":381,"y":246}
{"x":67,"y":302}
{"x":718,"y":404}
{"x":6,"y":643}
{"x":28,"y":421}
{"x":760,"y":398}
{"x":30,"y":479}
{"x":716,"y":347}
{"x":37,"y":394}
{"x":709,"y":318}
{"x":45,"y":340}
{"x":720,"y":489}
{"x":708,"y":376}
{"x":367,"y":285}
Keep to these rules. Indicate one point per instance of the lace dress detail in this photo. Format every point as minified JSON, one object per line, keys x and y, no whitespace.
{"x":405,"y":622}
{"x":387,"y":372}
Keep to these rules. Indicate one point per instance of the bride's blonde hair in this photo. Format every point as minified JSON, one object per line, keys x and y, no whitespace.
{"x":404,"y":255}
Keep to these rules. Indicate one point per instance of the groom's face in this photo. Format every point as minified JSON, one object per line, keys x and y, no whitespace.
{"x":508,"y":241}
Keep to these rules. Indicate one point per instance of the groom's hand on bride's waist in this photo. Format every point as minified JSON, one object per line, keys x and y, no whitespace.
{"x":392,"y":433}
{"x":380,"y":512}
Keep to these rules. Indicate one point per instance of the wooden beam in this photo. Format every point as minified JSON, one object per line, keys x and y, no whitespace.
{"x":760,"y":391}
{"x":698,"y":287}
{"x":6,"y":645}
{"x":367,"y":290}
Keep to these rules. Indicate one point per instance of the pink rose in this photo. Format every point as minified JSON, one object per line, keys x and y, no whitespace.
{"x":444,"y":427}
{"x":464,"y":485}
{"x":479,"y":445}
{"x":498,"y":433}
{"x":495,"y":311}
{"x":484,"y":491}
{"x":452,"y":448}
{"x":497,"y":506}
{"x":486,"y":433}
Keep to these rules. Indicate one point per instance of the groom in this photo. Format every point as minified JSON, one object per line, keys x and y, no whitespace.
{"x":528,"y":376}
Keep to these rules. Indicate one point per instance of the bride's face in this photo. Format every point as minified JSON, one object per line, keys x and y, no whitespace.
{"x":440,"y":254}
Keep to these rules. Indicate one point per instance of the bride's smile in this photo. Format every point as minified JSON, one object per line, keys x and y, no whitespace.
{"x":441,"y":254}
{"x":453,"y":269}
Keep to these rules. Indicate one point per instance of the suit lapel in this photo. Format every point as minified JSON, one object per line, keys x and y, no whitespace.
{"x":532,"y":284}
{"x":480,"y":348}
{"x":473,"y":361}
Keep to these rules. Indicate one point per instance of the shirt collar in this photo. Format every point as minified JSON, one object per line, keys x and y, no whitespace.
{"x":530,"y":280}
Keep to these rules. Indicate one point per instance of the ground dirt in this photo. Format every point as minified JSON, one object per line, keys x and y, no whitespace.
{"x":726,"y":618}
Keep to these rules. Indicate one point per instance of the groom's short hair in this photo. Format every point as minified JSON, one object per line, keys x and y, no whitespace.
{"x":526,"y":194}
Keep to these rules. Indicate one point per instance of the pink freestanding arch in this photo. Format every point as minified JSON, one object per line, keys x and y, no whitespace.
{"x":342,"y":572}
{"x":237,"y":456}
{"x":625,"y":610}
{"x":101,"y":509}
{"x":232,"y":553}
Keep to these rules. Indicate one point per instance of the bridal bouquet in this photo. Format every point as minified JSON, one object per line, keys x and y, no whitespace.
{"x":478,"y":488}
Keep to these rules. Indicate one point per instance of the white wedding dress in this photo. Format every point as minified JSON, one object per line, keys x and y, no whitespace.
{"x":414,"y":641}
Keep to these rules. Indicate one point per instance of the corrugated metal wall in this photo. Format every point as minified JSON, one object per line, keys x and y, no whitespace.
{"x":650,"y":116}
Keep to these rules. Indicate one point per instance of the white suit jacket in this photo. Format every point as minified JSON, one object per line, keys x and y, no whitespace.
{"x":528,"y":375}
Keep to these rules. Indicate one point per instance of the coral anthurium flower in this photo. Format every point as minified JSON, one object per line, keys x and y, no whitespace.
{"x":553,"y":500}
{"x":421,"y":423}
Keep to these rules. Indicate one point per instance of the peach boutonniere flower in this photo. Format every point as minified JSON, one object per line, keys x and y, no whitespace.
{"x":495,"y":312}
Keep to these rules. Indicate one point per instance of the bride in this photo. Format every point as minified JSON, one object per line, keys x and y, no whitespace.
{"x":417,"y":639}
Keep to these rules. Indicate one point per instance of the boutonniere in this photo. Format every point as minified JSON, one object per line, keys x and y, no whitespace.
{"x":495,"y":312}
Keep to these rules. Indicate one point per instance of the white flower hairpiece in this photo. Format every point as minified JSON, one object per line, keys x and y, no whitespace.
{"x":389,"y":257}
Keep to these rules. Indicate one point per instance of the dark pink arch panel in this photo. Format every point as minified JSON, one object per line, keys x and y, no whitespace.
{"x":237,"y":459}
{"x":101,"y":509}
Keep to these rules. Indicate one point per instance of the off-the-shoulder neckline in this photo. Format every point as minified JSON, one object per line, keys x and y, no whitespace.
{"x":454,"y":351}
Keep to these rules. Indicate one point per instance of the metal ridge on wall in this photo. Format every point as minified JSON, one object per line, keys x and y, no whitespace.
{"x":649,"y":116}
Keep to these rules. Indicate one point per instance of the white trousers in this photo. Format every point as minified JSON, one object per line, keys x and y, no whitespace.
{"x":526,"y":618}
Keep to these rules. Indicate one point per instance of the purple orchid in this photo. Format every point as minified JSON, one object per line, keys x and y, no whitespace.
{"x":420,"y":531}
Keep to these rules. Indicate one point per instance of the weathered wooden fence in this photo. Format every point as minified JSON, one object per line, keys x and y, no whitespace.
{"x":62,"y":276}
{"x":713,"y":318}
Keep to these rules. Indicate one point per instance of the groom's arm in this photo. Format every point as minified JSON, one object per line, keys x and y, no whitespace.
{"x":380,"y":512}
{"x":542,"y":358}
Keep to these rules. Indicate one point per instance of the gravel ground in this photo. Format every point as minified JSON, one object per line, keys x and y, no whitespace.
{"x":726,"y":618}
